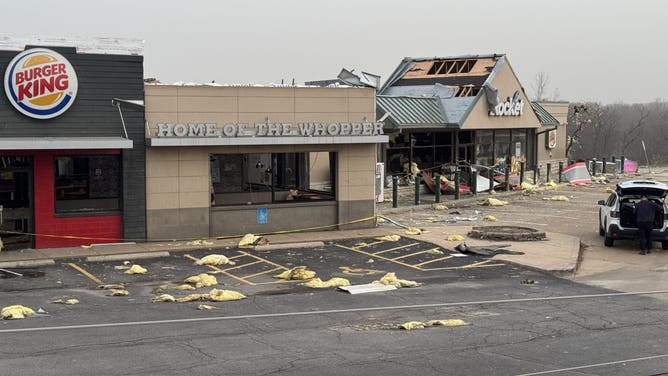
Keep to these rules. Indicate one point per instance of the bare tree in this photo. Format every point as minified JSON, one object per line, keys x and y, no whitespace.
{"x":633,"y":133}
{"x":540,"y":85}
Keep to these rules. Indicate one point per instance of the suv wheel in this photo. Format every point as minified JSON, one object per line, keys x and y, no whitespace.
{"x":608,"y":241}
{"x":664,"y":244}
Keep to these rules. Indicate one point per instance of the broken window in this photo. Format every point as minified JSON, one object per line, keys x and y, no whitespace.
{"x":87,"y":183}
{"x":262,"y":178}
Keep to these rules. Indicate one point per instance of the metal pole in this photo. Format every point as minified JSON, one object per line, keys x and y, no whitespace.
{"x":535,"y":175}
{"x":474,"y":183}
{"x":456,"y":185}
{"x":507,"y":177}
{"x":490,"y":175}
{"x":437,"y":186}
{"x":561,"y":170}
{"x":593,"y":167}
{"x":395,"y":193}
{"x":418,"y":180}
{"x":521,"y":173}
{"x":549,"y":169}
{"x":604,"y":169}
{"x":623,"y":159}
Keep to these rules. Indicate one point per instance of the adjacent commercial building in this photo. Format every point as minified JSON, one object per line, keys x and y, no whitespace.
{"x":72,"y":168}
{"x":453,"y":111}
{"x":243,"y":159}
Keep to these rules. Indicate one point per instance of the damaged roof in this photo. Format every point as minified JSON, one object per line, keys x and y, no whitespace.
{"x":546,"y":119}
{"x":411,"y":111}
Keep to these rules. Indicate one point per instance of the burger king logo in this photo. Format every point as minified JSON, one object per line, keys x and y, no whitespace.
{"x":41,"y":83}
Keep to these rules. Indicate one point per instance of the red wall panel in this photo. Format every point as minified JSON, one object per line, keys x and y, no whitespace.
{"x":49,"y":228}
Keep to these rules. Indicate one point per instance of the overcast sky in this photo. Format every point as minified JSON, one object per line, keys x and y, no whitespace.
{"x":599,"y":50}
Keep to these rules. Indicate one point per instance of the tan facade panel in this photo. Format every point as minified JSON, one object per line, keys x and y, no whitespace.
{"x":267,"y":104}
{"x":196,"y":104}
{"x":314,"y":104}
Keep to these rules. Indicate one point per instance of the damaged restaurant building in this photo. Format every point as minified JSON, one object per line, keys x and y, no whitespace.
{"x":71,"y":165}
{"x":231,"y":160}
{"x":445,"y":113}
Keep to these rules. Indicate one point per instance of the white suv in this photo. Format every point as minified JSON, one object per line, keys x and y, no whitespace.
{"x":617,"y":220}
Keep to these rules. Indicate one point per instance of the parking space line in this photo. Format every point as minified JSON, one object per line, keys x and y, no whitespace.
{"x":434,"y":260}
{"x":482,"y":264}
{"x":265,"y":260}
{"x":409,"y":255}
{"x":260,"y":273}
{"x":237,"y":256}
{"x":395,"y":248}
{"x":243,"y":266}
{"x":376,"y":255}
{"x":219,"y":270}
{"x":370,"y":244}
{"x":84,"y":272}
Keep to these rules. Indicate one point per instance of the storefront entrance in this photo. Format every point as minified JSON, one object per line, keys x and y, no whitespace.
{"x":16,"y":201}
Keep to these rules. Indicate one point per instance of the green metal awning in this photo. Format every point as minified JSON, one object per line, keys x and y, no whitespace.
{"x":416,"y":112}
{"x":546,"y":119}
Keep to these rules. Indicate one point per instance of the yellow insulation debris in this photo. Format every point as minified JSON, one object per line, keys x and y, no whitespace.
{"x":117,"y":292}
{"x":248,"y":241}
{"x":455,"y":238}
{"x":412,"y":325}
{"x":608,"y":190}
{"x":317,"y":283}
{"x":214,"y":260}
{"x":413,"y":231}
{"x":185,"y":287}
{"x":439,"y":207}
{"x":199,"y":242}
{"x":391,"y":279}
{"x":550,"y":184}
{"x":192,"y":298}
{"x":389,"y":238}
{"x":202,"y":280}
{"x":380,"y":220}
{"x":121,"y":267}
{"x":16,"y":312}
{"x":435,"y":252}
{"x":68,"y":301}
{"x":296,"y":273}
{"x":494,"y":202}
{"x":216,"y":295}
{"x":205,"y":307}
{"x":489,"y":218}
{"x":528,"y":187}
{"x":556,"y":198}
{"x":135,"y":269}
{"x":451,"y":322}
{"x":163,"y":298}
{"x":112,"y":286}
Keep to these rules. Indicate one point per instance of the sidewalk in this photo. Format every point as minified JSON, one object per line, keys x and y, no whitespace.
{"x":559,"y":254}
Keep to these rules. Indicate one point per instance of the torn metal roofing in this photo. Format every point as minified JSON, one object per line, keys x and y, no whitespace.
{"x":411,"y":111}
{"x":546,"y":119}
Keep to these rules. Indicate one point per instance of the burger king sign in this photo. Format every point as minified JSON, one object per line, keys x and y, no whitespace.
{"x":41,"y":83}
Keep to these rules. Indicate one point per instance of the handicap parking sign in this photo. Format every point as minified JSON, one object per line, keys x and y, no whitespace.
{"x":262,"y":216}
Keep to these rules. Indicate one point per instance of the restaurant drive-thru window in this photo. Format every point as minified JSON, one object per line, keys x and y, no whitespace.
{"x":72,"y":169}
{"x":231,"y":160}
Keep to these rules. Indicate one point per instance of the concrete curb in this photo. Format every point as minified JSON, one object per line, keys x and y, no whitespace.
{"x":273,"y":247}
{"x":26,"y":263}
{"x":127,"y":256}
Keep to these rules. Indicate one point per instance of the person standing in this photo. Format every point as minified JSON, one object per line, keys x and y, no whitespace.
{"x":645,"y":212}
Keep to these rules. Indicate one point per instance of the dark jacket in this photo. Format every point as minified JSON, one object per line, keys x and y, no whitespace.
{"x":645,"y":210}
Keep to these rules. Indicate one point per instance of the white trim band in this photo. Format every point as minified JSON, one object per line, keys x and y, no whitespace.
{"x":242,"y":141}
{"x":57,"y":143}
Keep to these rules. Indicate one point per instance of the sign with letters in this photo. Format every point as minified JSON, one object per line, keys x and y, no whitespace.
{"x":315,"y":129}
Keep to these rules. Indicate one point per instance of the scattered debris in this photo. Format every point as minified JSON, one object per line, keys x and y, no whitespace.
{"x":16,"y":312}
{"x":202,"y":280}
{"x":121,"y":267}
{"x":435,"y":252}
{"x":489,"y":218}
{"x":494,"y":202}
{"x":528,"y":282}
{"x":389,"y":238}
{"x":216,"y":295}
{"x":185,"y":287}
{"x":205,"y":307}
{"x":391,"y":279}
{"x":317,"y":283}
{"x":421,"y":325}
{"x":528,"y":187}
{"x":192,"y":298}
{"x":455,"y":238}
{"x":550,"y":184}
{"x":136,"y":269}
{"x":214,"y":259}
{"x":370,"y":261}
{"x":117,"y":292}
{"x":412,"y":231}
{"x":15,"y":274}
{"x":68,"y":301}
{"x":488,"y":250}
{"x":199,"y":242}
{"x":163,"y":298}
{"x":608,"y":190}
{"x":296,"y":273}
{"x":366,"y":288}
{"x":439,"y":207}
{"x":556,"y":198}
{"x":248,"y":241}
{"x":380,"y":220}
{"x":455,"y":212}
{"x":361,"y":244}
{"x":112,"y":286}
